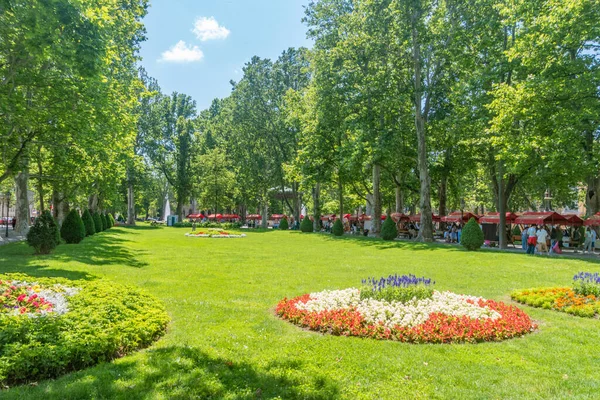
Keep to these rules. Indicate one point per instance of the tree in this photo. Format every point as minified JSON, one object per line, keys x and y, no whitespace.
{"x":97,"y":222}
{"x":472,"y":235}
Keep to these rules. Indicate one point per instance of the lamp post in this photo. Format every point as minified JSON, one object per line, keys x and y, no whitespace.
{"x":7,"y":198}
{"x":547,"y":199}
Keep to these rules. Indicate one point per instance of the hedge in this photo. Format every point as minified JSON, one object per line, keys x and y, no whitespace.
{"x":472,"y":236}
{"x":306,"y":226}
{"x":338,"y":228}
{"x":104,"y":321}
{"x":44,"y":235}
{"x":389,"y":231}
{"x":88,"y":222}
{"x":97,"y":222}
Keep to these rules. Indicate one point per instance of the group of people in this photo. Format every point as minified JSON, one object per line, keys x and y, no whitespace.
{"x":452,"y":233}
{"x":535,"y":239}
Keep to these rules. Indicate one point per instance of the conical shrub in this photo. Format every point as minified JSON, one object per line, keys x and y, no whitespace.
{"x":72,"y":229}
{"x":44,"y":235}
{"x":112,"y":220}
{"x":97,"y":222}
{"x":472,"y":235}
{"x":338,"y":228}
{"x":388,"y":229}
{"x":306,"y":225}
{"x":104,"y":221}
{"x":283,"y":225}
{"x":88,"y":222}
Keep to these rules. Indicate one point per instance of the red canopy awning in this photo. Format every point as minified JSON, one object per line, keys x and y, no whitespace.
{"x":396,"y":216}
{"x":456,"y":217}
{"x":541,"y":218}
{"x":278,"y":216}
{"x":594,"y":220}
{"x":417,"y":218}
{"x":253,"y":216}
{"x":196,"y":216}
{"x":494,"y":218}
{"x":574,"y":220}
{"x":332,"y":217}
{"x":347,"y":216}
{"x":230,"y":216}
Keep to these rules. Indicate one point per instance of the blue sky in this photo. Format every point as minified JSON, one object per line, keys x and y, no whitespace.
{"x":197,"y":46}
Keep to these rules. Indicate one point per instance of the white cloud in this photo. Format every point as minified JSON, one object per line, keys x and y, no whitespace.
{"x":182,"y":53}
{"x":209,"y":29}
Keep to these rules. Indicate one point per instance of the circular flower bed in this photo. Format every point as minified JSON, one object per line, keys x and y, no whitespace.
{"x":434,"y":317}
{"x":51,"y":326}
{"x":215,"y":234}
{"x":583,"y":299}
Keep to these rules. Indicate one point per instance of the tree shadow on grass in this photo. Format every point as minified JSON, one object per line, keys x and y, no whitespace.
{"x":180,"y":372}
{"x":381,"y":244}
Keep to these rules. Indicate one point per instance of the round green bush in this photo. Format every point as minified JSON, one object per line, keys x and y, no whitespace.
{"x":105,"y":225}
{"x":73,"y":229}
{"x":97,"y":222}
{"x":104,"y":321}
{"x":306,"y":225}
{"x":283,"y":225}
{"x":44,"y":235}
{"x":472,"y":235}
{"x":338,"y":228}
{"x":516,"y":231}
{"x":88,"y":222}
{"x":388,"y":229}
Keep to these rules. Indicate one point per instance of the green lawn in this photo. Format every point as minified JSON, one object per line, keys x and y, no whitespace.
{"x":225,"y":342}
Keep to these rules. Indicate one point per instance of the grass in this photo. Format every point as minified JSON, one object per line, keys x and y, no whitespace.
{"x":225,"y":342}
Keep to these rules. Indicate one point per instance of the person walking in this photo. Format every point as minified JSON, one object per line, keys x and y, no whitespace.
{"x":542,"y":237}
{"x":587,"y":244}
{"x":531,"y":239}
{"x":14,"y":222}
{"x":524,"y":237}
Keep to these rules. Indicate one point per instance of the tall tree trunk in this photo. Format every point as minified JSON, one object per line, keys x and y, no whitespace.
{"x":316,"y":207}
{"x":22,"y":201}
{"x":376,"y":199}
{"x":501,"y":206}
{"x":60,"y":206}
{"x":40,"y":185}
{"x":130,"y":199}
{"x":341,"y":195}
{"x":297,"y":201}
{"x":443,"y":194}
{"x":93,"y":202}
{"x":426,"y":228}
{"x":265,"y":214}
{"x":399,"y":198}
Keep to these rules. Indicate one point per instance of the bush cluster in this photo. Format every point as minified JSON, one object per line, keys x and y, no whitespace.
{"x":472,"y":235}
{"x":104,"y":321}
{"x":306,"y":225}
{"x":44,"y":235}
{"x":389,"y":231}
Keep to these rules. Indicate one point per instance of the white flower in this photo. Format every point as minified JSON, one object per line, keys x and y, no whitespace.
{"x":390,"y":314}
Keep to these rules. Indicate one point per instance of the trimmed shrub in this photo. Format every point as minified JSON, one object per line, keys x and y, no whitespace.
{"x":306,"y":225}
{"x":472,"y":235}
{"x":97,"y":222}
{"x":388,"y":229}
{"x":338,"y":228}
{"x":111,"y":220}
{"x":73,"y":229}
{"x":284,"y":225}
{"x":103,"y":321}
{"x":44,"y":235}
{"x":88,"y":222}
{"x":105,"y":225}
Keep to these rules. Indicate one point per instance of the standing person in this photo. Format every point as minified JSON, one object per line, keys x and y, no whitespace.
{"x":193,"y":225}
{"x":524,"y":237}
{"x":554,"y":235}
{"x":587,"y":244}
{"x":531,"y":239}
{"x":459,"y":232}
{"x":594,"y":235}
{"x":14,"y":222}
{"x":542,"y":237}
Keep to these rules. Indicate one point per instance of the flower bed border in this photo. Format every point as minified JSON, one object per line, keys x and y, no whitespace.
{"x":561,"y":299}
{"x":439,"y":328}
